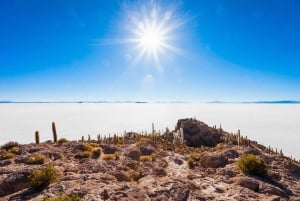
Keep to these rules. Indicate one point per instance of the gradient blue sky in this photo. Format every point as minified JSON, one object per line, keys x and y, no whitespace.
{"x":230,"y":50}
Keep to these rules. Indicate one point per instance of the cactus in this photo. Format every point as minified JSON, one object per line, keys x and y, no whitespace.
{"x":82,"y":139}
{"x":153,"y":130}
{"x":54,"y":132}
{"x":239,"y":137}
{"x":99,"y":138}
{"x":37,"y":137}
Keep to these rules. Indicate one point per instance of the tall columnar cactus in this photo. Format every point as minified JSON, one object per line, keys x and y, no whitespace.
{"x":239,"y":137}
{"x":54,"y":132}
{"x":37,"y":137}
{"x":153,"y":130}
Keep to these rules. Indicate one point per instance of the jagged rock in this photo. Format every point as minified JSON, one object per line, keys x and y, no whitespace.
{"x":121,"y":176}
{"x":14,"y":182}
{"x":179,"y":192}
{"x":104,"y":194}
{"x":273,"y":190}
{"x":161,"y":172}
{"x":109,"y":149}
{"x":230,"y":153}
{"x":133,"y":153}
{"x":5,"y":162}
{"x":197,"y":133}
{"x":247,"y":182}
{"x":212,"y":160}
{"x":178,"y":161}
{"x":147,"y":149}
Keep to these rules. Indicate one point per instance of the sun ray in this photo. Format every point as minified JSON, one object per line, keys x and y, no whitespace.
{"x":152,"y":31}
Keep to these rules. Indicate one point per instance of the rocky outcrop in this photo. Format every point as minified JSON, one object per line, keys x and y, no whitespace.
{"x":147,"y":148}
{"x":197,"y":133}
{"x":14,"y":182}
{"x":146,"y":169}
{"x":212,"y":160}
{"x":133,"y":153}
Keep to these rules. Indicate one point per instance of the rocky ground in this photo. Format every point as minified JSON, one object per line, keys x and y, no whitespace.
{"x":151,"y":168}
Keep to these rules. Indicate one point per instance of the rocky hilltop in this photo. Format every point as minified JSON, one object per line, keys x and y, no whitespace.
{"x":193,"y":162}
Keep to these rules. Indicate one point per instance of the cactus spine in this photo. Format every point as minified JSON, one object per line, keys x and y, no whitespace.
{"x":54,"y":132}
{"x":37,"y":137}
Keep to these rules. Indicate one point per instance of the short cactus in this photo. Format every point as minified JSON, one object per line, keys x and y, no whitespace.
{"x":54,"y":132}
{"x":37,"y":137}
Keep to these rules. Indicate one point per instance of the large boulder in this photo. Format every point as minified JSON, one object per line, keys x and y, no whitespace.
{"x":14,"y":182}
{"x":212,"y":160}
{"x":197,"y":133}
{"x":133,"y":153}
{"x":147,"y":148}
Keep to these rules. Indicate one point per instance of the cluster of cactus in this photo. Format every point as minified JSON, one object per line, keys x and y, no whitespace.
{"x":37,"y":134}
{"x":236,"y":139}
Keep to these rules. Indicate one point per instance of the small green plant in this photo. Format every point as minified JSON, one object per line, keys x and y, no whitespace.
{"x":41,"y":178}
{"x":250,"y":164}
{"x":36,"y":159}
{"x":6,"y":155}
{"x":195,"y":156}
{"x":191,"y":162}
{"x":62,"y":140}
{"x":63,"y":197}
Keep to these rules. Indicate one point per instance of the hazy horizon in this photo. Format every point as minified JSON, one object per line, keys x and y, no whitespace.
{"x":274,"y":125}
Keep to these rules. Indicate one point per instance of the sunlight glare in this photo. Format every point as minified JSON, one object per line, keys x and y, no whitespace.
{"x":151,"y":39}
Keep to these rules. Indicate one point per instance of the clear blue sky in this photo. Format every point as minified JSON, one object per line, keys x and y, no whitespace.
{"x":228,"y":50}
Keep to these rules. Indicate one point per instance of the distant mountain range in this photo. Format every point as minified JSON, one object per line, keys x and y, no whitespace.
{"x":263,"y":102}
{"x":141,"y":102}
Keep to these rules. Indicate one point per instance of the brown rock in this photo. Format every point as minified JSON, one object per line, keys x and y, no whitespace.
{"x":121,"y":176}
{"x":273,"y":190}
{"x":247,"y":182}
{"x":197,"y":133}
{"x":14,"y":182}
{"x":161,"y":172}
{"x":179,"y":192}
{"x":230,"y":153}
{"x":212,"y":160}
{"x":133,"y":153}
{"x":109,"y":149}
{"x":147,"y":149}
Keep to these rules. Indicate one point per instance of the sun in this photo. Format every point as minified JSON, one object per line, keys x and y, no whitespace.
{"x":151,"y":39}
{"x":151,"y":30}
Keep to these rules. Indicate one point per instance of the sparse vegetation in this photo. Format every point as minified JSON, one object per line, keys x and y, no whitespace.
{"x":83,"y":154}
{"x":85,"y":147}
{"x":146,"y":158}
{"x":115,"y":156}
{"x":41,"y":178}
{"x":250,"y":164}
{"x":63,"y":197}
{"x":96,"y":152}
{"x":191,"y":162}
{"x":36,"y":159}
{"x":192,"y":159}
{"x":9,"y":145}
{"x":62,"y":140}
{"x":6,"y":155}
